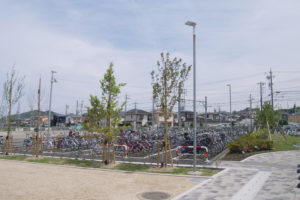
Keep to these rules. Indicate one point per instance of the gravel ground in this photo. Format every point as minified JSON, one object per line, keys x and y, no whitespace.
{"x":20,"y":180}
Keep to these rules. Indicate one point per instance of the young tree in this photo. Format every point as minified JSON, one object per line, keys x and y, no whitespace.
{"x":166,"y":82}
{"x":103,"y":116}
{"x":267,"y":116}
{"x":13,"y":91}
{"x":31,"y":98}
{"x":3,"y":113}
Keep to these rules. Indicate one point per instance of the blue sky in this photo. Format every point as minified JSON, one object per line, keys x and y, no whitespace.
{"x":237,"y":42}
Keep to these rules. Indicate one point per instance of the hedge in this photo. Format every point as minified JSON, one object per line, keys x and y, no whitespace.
{"x":256,"y":141}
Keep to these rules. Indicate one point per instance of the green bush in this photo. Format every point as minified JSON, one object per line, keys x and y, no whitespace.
{"x":251,"y":142}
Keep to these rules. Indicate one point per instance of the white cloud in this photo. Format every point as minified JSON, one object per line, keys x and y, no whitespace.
{"x":234,"y":39}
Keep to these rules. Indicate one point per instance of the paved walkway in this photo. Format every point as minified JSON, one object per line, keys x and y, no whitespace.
{"x":268,"y":176}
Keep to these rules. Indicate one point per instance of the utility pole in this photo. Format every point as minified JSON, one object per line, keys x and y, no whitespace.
{"x":153,"y":120}
{"x":125,"y":104}
{"x":178,"y":114}
{"x":205,"y":118}
{"x":270,"y":78}
{"x":81,"y":107}
{"x":251,"y":117}
{"x":229,"y":85}
{"x":126,"y":98}
{"x":67,"y":107}
{"x":18,"y":114}
{"x":38,"y":121}
{"x":53,"y":80}
{"x":77,"y":111}
{"x":135,"y":122}
{"x":219,"y":114}
{"x":260,"y":91}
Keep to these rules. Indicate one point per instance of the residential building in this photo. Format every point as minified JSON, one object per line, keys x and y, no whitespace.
{"x":136,"y":116}
{"x":160,"y":120}
{"x":294,"y":118}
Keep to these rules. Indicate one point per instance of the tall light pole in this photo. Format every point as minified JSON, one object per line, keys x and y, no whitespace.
{"x":193,"y":24}
{"x":53,"y":80}
{"x":270,"y":78}
{"x":260,"y":91}
{"x":229,"y":85}
{"x":251,"y":116}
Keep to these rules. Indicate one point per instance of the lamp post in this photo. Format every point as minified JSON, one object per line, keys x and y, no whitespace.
{"x":193,"y":24}
{"x":53,"y":80}
{"x":229,"y":85}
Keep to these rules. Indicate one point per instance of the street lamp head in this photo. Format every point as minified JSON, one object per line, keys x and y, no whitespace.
{"x":53,"y":71}
{"x":229,"y":85}
{"x":190,"y":23}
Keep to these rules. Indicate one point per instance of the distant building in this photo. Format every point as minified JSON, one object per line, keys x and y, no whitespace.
{"x":73,"y":119}
{"x":58,"y":120}
{"x":294,"y":118}
{"x":138,"y":116}
{"x":160,"y":120}
{"x":187,"y":118}
{"x":213,"y":116}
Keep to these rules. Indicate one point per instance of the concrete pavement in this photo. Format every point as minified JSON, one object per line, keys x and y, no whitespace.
{"x":267,"y":176}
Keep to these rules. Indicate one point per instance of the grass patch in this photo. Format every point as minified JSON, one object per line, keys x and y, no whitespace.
{"x":132,"y":167}
{"x":56,"y":161}
{"x":209,"y":172}
{"x":20,"y":158}
{"x":168,"y":170}
{"x":280,"y":143}
{"x":185,"y":171}
{"x":284,"y":143}
{"x":123,"y":167}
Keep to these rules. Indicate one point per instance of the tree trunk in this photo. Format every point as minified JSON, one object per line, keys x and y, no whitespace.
{"x":104,"y":152}
{"x":108,"y":152}
{"x":270,"y":137}
{"x":108,"y":121}
{"x":38,"y":120}
{"x":165,"y":117}
{"x":9,"y":117}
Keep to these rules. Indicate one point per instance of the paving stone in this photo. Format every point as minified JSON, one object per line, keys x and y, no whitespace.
{"x":280,"y":185}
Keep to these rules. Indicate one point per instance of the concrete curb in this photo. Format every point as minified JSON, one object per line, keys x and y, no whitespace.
{"x":111,"y":170}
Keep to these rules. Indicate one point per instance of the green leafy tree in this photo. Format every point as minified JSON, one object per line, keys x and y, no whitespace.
{"x":12,"y":92}
{"x":166,"y":82}
{"x":103,"y":116}
{"x":267,"y":116}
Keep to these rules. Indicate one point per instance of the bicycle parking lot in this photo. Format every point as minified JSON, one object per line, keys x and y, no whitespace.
{"x":130,"y":146}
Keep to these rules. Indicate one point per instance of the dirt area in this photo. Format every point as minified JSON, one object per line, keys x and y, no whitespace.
{"x":20,"y":180}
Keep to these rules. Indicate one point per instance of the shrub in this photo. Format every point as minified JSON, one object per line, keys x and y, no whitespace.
{"x":251,"y":142}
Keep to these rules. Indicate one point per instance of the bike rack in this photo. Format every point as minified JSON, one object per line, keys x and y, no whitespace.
{"x":116,"y":145}
{"x":125,"y":148}
{"x":191,"y":147}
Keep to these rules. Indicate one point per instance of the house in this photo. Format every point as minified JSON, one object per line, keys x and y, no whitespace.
{"x":73,"y":119}
{"x":187,"y":118}
{"x":160,"y":120}
{"x":294,"y":118}
{"x":136,"y":117}
{"x":213,"y":116}
{"x":58,"y":120}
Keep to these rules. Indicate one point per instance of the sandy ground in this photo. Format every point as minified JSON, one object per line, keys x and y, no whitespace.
{"x":20,"y":180}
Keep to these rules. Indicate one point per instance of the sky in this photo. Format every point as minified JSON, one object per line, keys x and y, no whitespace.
{"x":237,"y":43}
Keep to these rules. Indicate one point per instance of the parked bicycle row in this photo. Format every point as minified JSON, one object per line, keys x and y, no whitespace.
{"x":140,"y":141}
